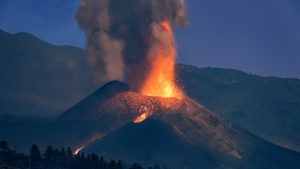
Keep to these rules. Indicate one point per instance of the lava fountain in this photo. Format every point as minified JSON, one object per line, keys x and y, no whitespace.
{"x":161,"y":78}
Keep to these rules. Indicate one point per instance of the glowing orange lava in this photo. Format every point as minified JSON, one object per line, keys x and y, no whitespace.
{"x":78,"y":149}
{"x":161,"y":78}
{"x":95,"y":137}
{"x":166,"y":26}
{"x":142,"y":117}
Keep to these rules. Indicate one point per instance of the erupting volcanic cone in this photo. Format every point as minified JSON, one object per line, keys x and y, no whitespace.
{"x":176,"y":124}
{"x":189,"y":119}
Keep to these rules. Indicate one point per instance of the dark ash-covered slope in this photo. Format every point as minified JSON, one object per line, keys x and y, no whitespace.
{"x":187,"y":121}
{"x":152,"y":142}
{"x":89,"y":106}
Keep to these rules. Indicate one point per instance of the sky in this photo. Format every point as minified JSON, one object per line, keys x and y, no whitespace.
{"x":256,"y":36}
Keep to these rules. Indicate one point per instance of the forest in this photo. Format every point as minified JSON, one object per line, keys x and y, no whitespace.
{"x":64,"y":158}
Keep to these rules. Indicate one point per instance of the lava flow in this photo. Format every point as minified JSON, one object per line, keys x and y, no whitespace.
{"x":161,"y":78}
{"x":95,"y":137}
{"x":142,"y":117}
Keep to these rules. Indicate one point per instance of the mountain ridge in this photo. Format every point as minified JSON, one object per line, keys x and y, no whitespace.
{"x":34,"y":72}
{"x":47,"y":81}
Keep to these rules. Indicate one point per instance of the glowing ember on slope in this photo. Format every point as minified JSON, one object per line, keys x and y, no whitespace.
{"x":145,"y":111}
{"x":161,"y":78}
{"x":78,"y":149}
{"x":95,"y":137}
{"x":142,"y":117}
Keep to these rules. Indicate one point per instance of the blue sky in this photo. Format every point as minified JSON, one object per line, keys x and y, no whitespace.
{"x":256,"y":36}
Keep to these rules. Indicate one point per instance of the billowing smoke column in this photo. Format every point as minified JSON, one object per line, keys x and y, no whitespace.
{"x":121,"y":35}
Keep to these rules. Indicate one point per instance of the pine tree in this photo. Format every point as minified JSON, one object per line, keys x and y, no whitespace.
{"x":69,"y":153}
{"x":82,"y":156}
{"x":49,"y":154}
{"x":4,"y":146}
{"x":136,"y":166}
{"x":102,"y":162}
{"x":63,"y":154}
{"x":156,"y":166}
{"x":119,"y":164}
{"x":35,"y":154}
{"x":56,"y":153}
{"x":112,"y":164}
{"x":94,"y":157}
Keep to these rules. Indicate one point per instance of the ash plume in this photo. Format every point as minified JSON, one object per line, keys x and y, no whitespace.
{"x":120,"y":34}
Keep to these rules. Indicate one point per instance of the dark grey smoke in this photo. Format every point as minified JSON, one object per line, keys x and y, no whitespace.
{"x":120,"y":33}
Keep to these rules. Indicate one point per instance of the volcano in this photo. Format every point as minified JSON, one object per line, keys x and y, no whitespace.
{"x":175,"y":132}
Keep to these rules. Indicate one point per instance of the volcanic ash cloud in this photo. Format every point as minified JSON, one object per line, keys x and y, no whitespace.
{"x":121,"y":35}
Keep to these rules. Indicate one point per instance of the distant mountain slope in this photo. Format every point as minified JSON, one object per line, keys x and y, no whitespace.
{"x":38,"y":78}
{"x":266,"y":106}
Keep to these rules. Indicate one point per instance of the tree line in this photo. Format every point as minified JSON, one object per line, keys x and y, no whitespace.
{"x":54,"y":158}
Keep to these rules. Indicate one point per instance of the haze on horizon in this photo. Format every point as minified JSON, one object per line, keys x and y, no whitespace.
{"x":259,"y":36}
